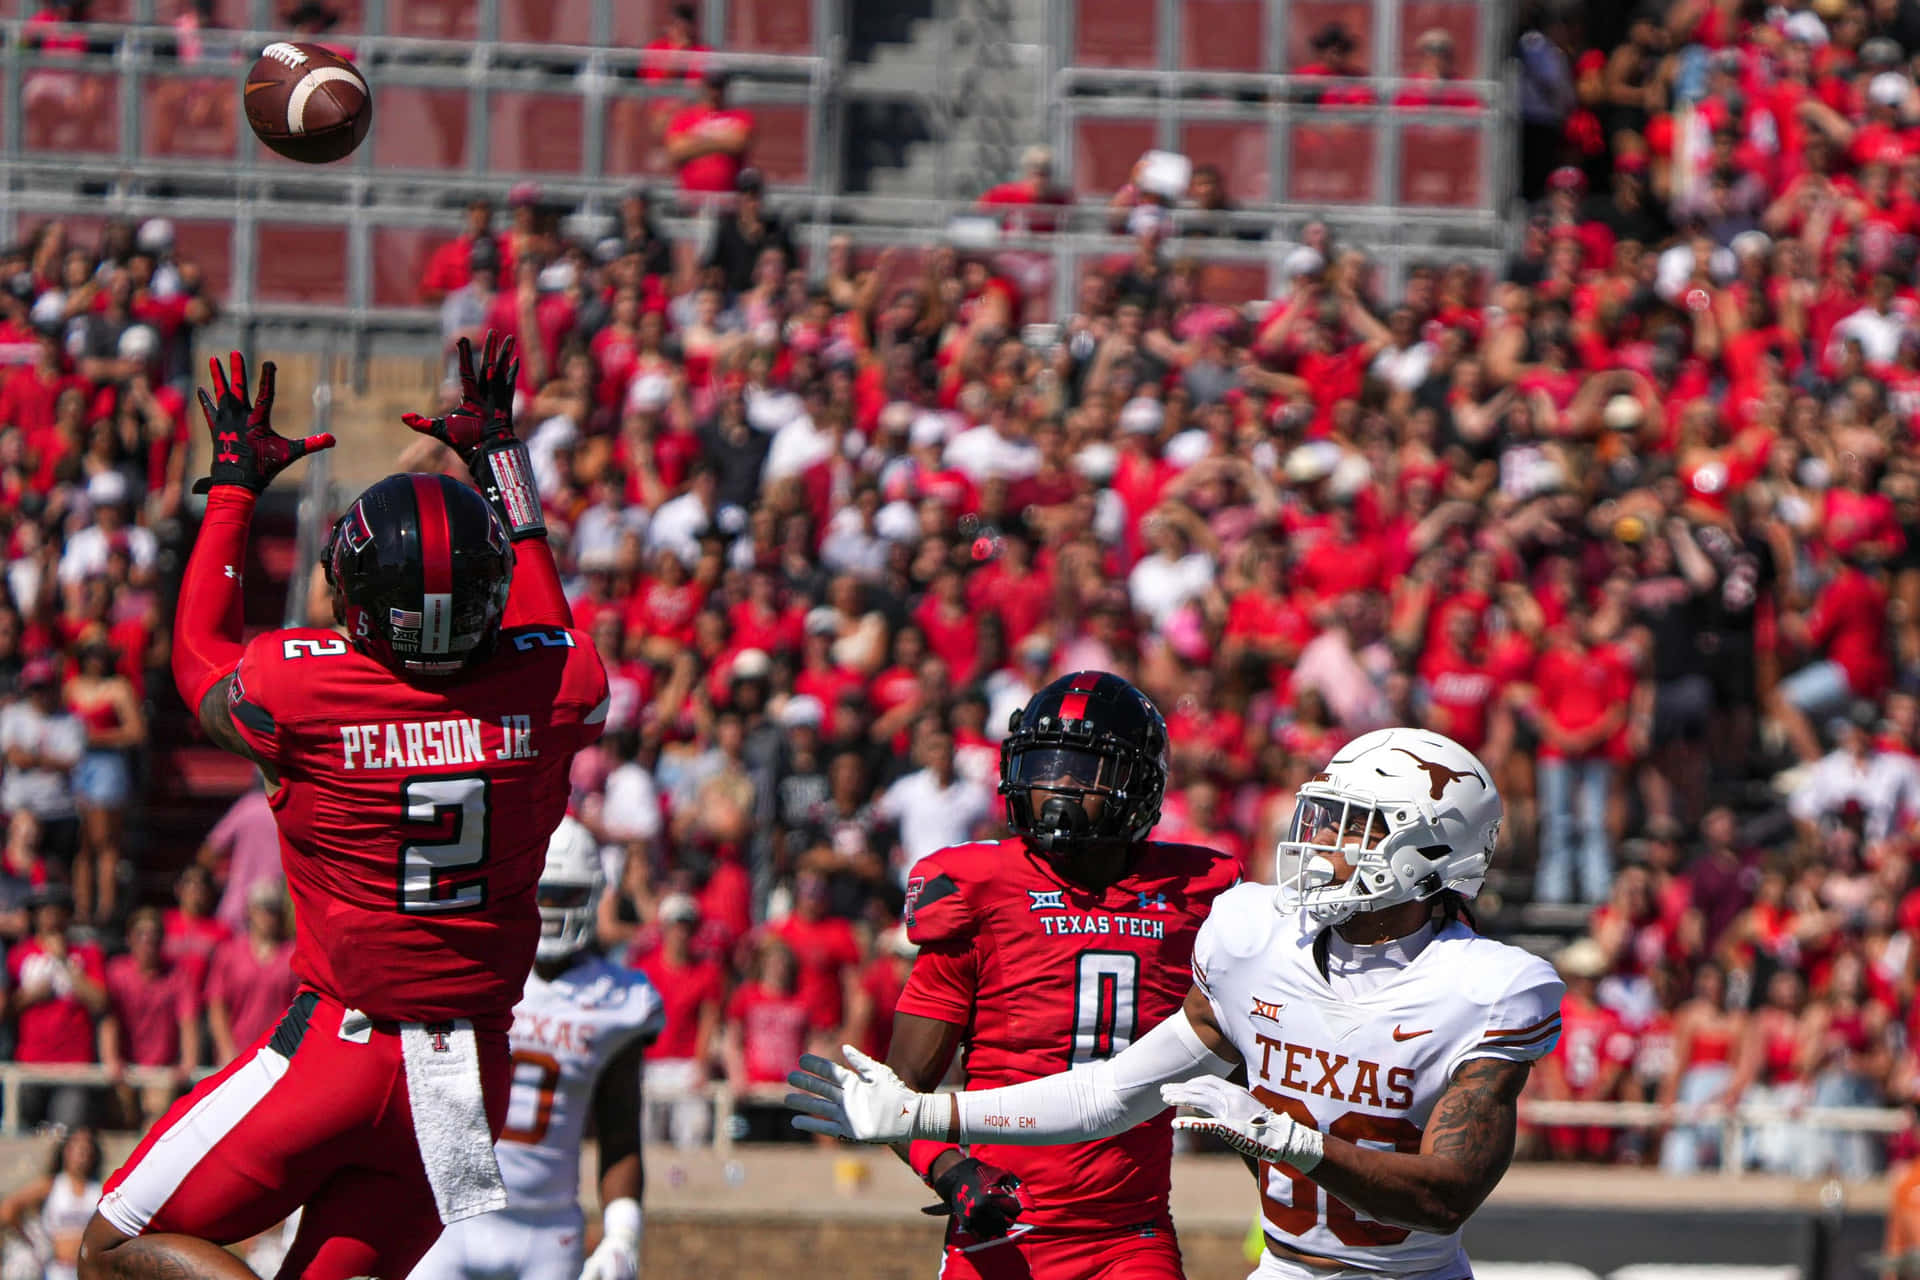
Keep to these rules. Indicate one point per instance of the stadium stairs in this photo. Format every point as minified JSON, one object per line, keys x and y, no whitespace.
{"x":967,"y":71}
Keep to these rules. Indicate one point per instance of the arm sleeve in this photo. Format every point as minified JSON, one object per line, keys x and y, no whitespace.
{"x":209,"y":620}
{"x":1093,"y":1101}
{"x":535,"y":598}
{"x":1522,"y":1025}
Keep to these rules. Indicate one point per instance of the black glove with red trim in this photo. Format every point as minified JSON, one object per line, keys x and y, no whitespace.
{"x":983,"y":1199}
{"x":247,"y":451}
{"x":480,"y":430}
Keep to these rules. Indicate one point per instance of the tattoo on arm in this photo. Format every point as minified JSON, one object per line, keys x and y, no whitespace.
{"x":1473,"y":1123}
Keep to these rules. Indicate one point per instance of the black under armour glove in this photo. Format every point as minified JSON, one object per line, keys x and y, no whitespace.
{"x":247,"y":451}
{"x":480,"y":430}
{"x":984,"y":1199}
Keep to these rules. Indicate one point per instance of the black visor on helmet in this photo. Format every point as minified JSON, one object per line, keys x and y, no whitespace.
{"x":1055,"y":768}
{"x":564,"y":897}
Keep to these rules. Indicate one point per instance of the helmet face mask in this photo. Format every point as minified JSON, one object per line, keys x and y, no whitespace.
{"x":1405,"y":812}
{"x":1084,"y":764}
{"x":568,"y":893}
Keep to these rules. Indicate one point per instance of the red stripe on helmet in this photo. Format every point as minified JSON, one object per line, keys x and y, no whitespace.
{"x":436,"y":540}
{"x":1074,"y":705}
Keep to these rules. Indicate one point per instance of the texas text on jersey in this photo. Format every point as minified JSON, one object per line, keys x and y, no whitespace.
{"x":1368,"y":1069}
{"x":565,"y":1033}
{"x":414,"y":815}
{"x":1048,"y":975}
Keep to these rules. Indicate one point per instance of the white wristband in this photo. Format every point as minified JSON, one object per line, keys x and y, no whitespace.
{"x":932,"y":1117}
{"x":1302,"y":1149}
{"x":621,"y":1220}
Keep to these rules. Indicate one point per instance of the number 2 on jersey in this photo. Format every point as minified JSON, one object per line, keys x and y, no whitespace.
{"x":1105,"y":996}
{"x":425,"y":868}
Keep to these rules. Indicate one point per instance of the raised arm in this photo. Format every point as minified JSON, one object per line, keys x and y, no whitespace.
{"x":480,"y":430}
{"x":208,"y":621}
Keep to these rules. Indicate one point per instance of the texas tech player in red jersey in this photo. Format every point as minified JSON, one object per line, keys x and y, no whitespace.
{"x":418,"y":765}
{"x":1051,"y":949}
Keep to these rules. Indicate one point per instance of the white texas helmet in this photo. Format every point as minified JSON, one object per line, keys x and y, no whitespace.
{"x":1411,"y":811}
{"x":569,"y":891}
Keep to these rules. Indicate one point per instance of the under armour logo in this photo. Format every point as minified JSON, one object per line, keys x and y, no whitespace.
{"x":1438,"y":774}
{"x":1158,"y":901}
{"x":1270,"y":1010}
{"x":437,"y":1036}
{"x":231,"y":571}
{"x":1046,"y":899}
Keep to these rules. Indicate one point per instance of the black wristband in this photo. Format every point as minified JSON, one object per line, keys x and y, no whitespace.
{"x":504,"y":473}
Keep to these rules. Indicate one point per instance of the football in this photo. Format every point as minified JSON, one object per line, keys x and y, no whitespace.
{"x":308,"y":103}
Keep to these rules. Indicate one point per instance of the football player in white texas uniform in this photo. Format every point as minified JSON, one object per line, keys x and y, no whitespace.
{"x":1385,"y":1042}
{"x":578,"y":1034}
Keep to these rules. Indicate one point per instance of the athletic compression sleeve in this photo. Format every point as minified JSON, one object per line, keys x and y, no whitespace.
{"x":535,"y":598}
{"x":1092,"y":1101}
{"x":209,"y":624}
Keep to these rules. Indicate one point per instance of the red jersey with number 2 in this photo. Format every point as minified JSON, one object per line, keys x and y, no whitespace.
{"x":1047,"y":975}
{"x":414,"y":814}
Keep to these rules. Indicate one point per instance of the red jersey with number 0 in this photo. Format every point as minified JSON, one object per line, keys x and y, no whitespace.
{"x":1046,"y":975}
{"x":414,"y":816}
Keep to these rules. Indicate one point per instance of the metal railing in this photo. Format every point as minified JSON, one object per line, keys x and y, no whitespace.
{"x":368,"y":210}
{"x":1733,"y":1122}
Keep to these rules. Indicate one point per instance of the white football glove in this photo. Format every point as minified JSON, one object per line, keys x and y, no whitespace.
{"x":862,"y":1103}
{"x":618,"y":1257}
{"x":1244,"y":1123}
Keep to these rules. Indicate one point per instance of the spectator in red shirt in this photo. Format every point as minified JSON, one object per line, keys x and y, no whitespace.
{"x":450,"y":267}
{"x":1432,"y":83}
{"x":311,"y":19}
{"x":1847,"y":628}
{"x":58,"y":989}
{"x":250,"y":982}
{"x":1031,"y":198}
{"x":679,"y":40}
{"x":708,"y":142}
{"x":1580,"y":698}
{"x":155,"y":1020}
{"x":824,"y":951}
{"x":768,"y":1028}
{"x":876,"y":992}
{"x":1333,"y":56}
{"x":1591,"y":1058}
{"x":690,"y":992}
{"x":190,"y":932}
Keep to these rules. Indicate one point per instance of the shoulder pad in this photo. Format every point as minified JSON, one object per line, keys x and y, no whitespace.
{"x":937,"y":908}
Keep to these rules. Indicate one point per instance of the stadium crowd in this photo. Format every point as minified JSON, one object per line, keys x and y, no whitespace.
{"x":1638,"y":521}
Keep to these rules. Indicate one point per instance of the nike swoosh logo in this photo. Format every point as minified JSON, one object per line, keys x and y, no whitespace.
{"x":1398,"y":1034}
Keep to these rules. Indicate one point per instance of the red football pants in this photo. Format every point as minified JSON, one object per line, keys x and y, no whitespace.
{"x":302,"y":1118}
{"x":1146,"y":1251}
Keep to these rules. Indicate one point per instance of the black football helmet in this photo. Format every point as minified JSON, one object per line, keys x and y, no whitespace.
{"x":1086,"y":734}
{"x":421,"y":566}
